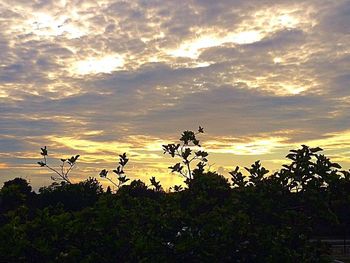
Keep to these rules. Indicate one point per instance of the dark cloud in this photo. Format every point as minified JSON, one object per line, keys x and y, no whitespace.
{"x":336,"y":18}
{"x":280,"y":40}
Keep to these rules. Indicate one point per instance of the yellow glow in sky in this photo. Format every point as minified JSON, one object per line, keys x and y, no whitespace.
{"x":277,"y":60}
{"x":253,"y":146}
{"x":105,"y":64}
{"x":46,"y":25}
{"x":3,"y":165}
{"x":287,"y":20}
{"x":91,"y":146}
{"x":192,"y":48}
{"x":292,"y":89}
{"x":262,"y":23}
{"x":3,"y":94}
{"x":245,"y":37}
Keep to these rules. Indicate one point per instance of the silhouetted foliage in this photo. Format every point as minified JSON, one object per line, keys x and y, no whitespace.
{"x":15,"y":193}
{"x":119,"y":171}
{"x":65,"y":167}
{"x":184,"y":151}
{"x":71,"y":196}
{"x":257,"y":218}
{"x":157,"y":186}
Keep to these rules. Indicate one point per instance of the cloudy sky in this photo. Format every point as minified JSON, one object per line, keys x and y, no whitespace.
{"x":103,"y":77}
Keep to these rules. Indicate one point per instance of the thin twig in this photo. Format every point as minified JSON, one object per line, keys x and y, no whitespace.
{"x":60,"y":175}
{"x":112,"y":182}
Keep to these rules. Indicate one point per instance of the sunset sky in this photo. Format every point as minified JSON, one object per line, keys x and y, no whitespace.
{"x":99,"y":78}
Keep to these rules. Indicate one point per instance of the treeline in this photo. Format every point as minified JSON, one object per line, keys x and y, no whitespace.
{"x":261,"y":217}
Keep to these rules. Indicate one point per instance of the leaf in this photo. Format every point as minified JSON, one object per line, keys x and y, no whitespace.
{"x":176,"y":168}
{"x":156,"y":184}
{"x":42,"y":164}
{"x":119,"y":170}
{"x":291,"y":156}
{"x":187,"y":136}
{"x":104,"y":173}
{"x":177,"y":188}
{"x":336,"y":165}
{"x":43,"y":151}
{"x":200,"y":166}
{"x":73,"y":159}
{"x":171,"y":149}
{"x":123,"y":179}
{"x":317,"y":149}
{"x":186,"y":153}
{"x":196,"y":142}
{"x":123,"y":159}
{"x":202,"y":154}
{"x":123,"y":156}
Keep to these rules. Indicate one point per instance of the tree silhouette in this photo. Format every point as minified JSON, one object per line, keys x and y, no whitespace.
{"x":65,"y":167}
{"x":259,"y":217}
{"x":119,"y":171}
{"x":184,"y":150}
{"x":157,"y":186}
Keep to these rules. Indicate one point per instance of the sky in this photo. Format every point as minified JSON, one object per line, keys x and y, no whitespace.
{"x":100,"y":78}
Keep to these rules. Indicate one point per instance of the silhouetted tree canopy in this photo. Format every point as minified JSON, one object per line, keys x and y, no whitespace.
{"x":260,"y":217}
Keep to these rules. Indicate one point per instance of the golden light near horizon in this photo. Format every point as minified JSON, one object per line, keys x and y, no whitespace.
{"x":3,"y":94}
{"x":89,"y":146}
{"x":251,"y":146}
{"x":3,"y":165}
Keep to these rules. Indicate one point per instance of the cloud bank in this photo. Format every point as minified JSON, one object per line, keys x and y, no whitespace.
{"x":102,"y":77}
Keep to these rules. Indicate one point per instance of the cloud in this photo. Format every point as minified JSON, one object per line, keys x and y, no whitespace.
{"x":129,"y":75}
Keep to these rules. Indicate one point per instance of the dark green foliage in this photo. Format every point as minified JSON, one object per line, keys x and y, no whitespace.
{"x":71,"y":196}
{"x":259,"y":218}
{"x":237,"y":178}
{"x":257,"y":173}
{"x":15,"y":193}
{"x":177,"y":188}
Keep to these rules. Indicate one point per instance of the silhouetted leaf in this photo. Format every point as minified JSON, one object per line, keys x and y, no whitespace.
{"x":336,"y":165}
{"x":186,"y":153}
{"x":103,"y":173}
{"x":42,"y":164}
{"x":176,"y":168}
{"x":317,"y":149}
{"x":44,"y":151}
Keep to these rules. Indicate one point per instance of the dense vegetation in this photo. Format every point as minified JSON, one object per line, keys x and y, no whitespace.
{"x":261,"y":217}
